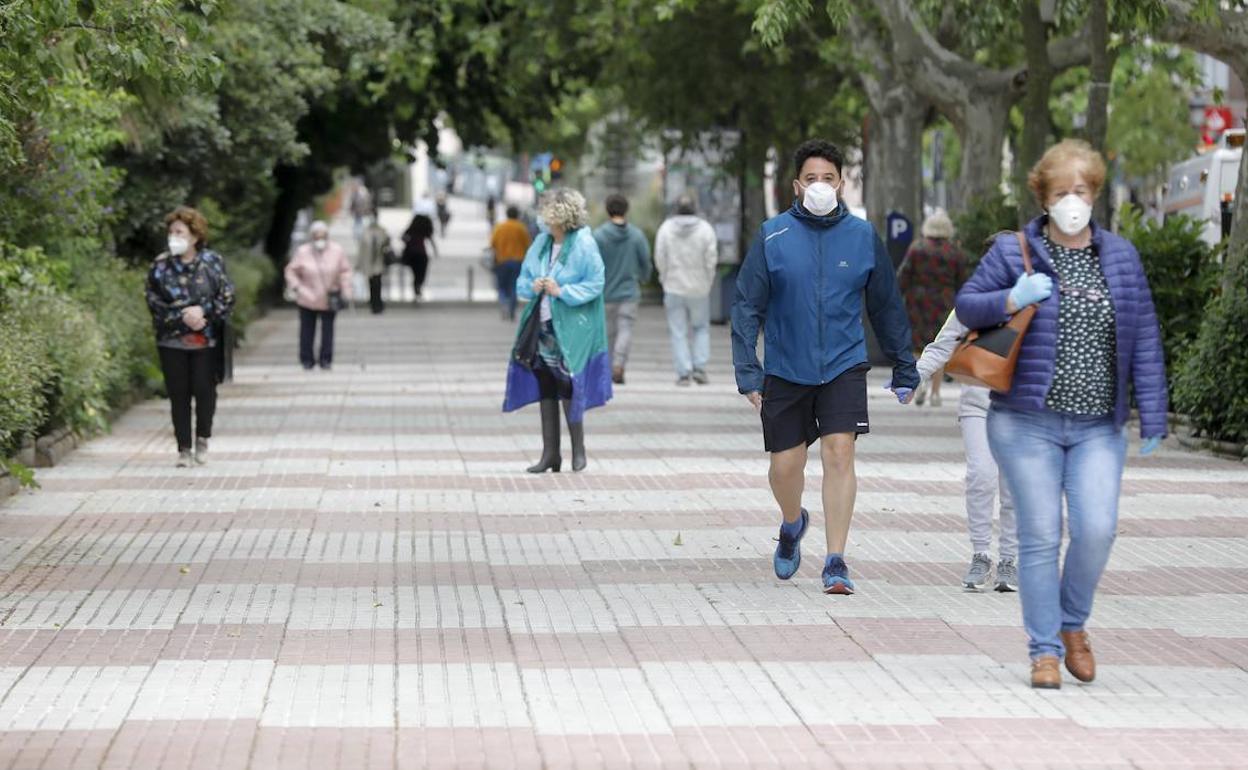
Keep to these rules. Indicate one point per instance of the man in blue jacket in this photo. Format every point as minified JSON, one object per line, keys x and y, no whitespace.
{"x":803,"y":282}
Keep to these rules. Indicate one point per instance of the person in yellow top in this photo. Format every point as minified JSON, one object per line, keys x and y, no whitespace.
{"x":509,"y":243}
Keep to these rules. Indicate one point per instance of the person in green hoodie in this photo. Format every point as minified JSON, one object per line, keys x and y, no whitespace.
{"x":626,"y":257}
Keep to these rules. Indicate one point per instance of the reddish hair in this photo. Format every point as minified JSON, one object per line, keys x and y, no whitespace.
{"x":193,"y":220}
{"x":1068,"y":155}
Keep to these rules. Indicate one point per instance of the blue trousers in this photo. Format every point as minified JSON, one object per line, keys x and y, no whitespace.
{"x":1045,"y":457}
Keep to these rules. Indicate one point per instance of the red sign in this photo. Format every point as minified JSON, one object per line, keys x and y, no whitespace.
{"x":1217,"y":120}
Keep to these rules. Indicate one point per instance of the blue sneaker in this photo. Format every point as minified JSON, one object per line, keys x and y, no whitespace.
{"x":789,"y":550}
{"x":836,"y":577}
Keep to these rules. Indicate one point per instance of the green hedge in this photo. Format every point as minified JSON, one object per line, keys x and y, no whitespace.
{"x":983,"y":218}
{"x":1182,"y":275}
{"x":1209,"y":385}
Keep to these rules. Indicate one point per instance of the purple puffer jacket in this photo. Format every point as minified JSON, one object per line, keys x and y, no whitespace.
{"x":981,"y":305}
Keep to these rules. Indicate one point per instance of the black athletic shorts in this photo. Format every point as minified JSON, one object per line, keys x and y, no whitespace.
{"x":796,"y":414}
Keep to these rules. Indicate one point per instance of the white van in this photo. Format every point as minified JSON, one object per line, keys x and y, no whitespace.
{"x":1198,"y":186}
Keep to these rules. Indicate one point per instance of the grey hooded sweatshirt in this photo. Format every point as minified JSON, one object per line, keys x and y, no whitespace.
{"x":686,"y":253}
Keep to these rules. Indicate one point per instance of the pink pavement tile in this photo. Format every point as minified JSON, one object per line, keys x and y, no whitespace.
{"x":1117,"y":646}
{"x":62,"y":750}
{"x":229,"y":641}
{"x":447,"y":646}
{"x":469,"y":748}
{"x":90,"y":647}
{"x":323,"y":748}
{"x":182,"y":744}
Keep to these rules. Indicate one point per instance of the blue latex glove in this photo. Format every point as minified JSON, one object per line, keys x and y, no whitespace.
{"x":903,"y":394}
{"x":1031,"y":288}
{"x":1150,"y":444}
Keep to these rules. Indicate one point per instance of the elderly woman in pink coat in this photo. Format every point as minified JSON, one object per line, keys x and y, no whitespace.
{"x":318,"y":278}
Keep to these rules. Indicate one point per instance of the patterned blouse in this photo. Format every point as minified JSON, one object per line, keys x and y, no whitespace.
{"x":1086,"y":373}
{"x":173,"y":286}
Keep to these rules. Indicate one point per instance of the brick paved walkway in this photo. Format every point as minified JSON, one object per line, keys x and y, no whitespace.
{"x":364,"y":577}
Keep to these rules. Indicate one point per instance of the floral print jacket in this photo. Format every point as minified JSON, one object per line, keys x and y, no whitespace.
{"x":173,"y":286}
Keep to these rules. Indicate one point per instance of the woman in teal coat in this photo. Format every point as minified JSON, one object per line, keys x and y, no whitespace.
{"x":562,"y":280}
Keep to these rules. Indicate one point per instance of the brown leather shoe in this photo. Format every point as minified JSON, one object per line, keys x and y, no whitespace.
{"x":1079,"y":660}
{"x":1046,"y":673}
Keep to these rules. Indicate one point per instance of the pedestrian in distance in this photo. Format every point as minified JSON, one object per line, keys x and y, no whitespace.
{"x":509,"y":242}
{"x":686,"y":253}
{"x":418,"y":244}
{"x":803,"y":283}
{"x":190,"y":297}
{"x":318,"y":277}
{"x":491,"y":210}
{"x":444,"y":213}
{"x":983,"y":482}
{"x":934,"y":268}
{"x":562,"y":281}
{"x":376,"y":256}
{"x":1059,"y":432}
{"x":626,"y":260}
{"x":361,"y":205}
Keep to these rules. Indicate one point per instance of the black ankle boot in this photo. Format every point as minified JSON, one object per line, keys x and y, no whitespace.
{"x":577,"y":430}
{"x":551,"y":461}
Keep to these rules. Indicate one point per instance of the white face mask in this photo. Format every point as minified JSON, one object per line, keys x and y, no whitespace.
{"x":1071,"y":214}
{"x":320,"y":243}
{"x":178,"y":245}
{"x":820,"y":198}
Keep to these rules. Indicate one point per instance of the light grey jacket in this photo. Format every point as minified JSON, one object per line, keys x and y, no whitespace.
{"x":685,"y":254}
{"x":974,"y":401}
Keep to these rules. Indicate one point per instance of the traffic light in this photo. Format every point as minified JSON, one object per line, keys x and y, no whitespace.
{"x":556,"y":168}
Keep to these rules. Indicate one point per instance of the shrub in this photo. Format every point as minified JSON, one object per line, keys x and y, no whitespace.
{"x":24,"y":370}
{"x":1212,"y":371}
{"x":254,"y":277}
{"x":983,"y":218}
{"x":77,"y":354}
{"x":1181,"y":273}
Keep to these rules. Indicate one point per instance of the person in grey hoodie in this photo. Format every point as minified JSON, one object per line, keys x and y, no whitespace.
{"x":984,"y":484}
{"x":626,"y":257}
{"x":686,"y":253}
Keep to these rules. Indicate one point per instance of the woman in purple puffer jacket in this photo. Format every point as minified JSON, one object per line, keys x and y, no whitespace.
{"x":1060,"y":432}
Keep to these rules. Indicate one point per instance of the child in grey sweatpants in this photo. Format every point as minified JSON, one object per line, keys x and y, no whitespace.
{"x":982,"y":480}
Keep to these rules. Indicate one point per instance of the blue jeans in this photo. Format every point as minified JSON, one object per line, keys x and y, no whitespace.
{"x":1045,"y":455}
{"x":682,"y":313}
{"x":506,"y":274}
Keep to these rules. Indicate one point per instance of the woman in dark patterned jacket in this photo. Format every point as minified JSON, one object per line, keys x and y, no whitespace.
{"x":929,"y":279}
{"x":190,"y":296}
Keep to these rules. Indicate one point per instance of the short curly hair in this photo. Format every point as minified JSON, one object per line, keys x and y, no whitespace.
{"x":193,"y":220}
{"x":1067,"y":156}
{"x":564,"y":207}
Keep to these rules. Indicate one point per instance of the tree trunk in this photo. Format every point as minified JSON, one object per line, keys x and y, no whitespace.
{"x":753,"y":188}
{"x":1237,"y":249}
{"x":1098,"y":95}
{"x":290,"y":198}
{"x":893,"y":176}
{"x":981,"y":130}
{"x":1037,"y":121}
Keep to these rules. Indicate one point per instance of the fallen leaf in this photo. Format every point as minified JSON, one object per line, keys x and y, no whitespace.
{"x":184,"y":570}
{"x":678,"y":541}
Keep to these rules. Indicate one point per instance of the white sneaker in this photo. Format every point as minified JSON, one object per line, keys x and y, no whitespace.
{"x":201,"y":450}
{"x":186,"y":458}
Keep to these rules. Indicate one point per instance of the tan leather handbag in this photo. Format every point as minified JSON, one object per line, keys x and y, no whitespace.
{"x":987,"y":357}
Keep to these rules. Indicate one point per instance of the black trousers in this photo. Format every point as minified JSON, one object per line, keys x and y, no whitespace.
{"x":190,"y":374}
{"x":419,"y":263}
{"x":375,"y":302}
{"x":307,"y":335}
{"x":551,"y":387}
